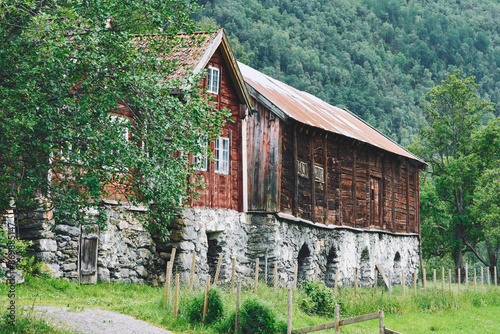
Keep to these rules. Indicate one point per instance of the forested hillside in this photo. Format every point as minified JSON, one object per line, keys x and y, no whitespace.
{"x":376,"y":58}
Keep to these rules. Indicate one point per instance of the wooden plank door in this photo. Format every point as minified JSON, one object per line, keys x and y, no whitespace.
{"x":87,"y":258}
{"x":375,"y":201}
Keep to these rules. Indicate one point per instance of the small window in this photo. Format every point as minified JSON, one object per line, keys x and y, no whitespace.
{"x":123,"y":122}
{"x":303,"y":169}
{"x":200,"y":160}
{"x":319,"y":174}
{"x":221,"y":156}
{"x":213,"y":80}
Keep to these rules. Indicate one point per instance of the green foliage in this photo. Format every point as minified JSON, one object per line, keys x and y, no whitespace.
{"x":320,"y":299}
{"x":28,"y":324}
{"x":256,"y":318}
{"x":65,"y":66}
{"x":376,"y":58}
{"x":455,"y":146}
{"x":215,"y":309}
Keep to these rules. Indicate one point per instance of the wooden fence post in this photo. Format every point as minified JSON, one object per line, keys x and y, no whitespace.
{"x":488,"y":276}
{"x":295,"y":276}
{"x":167,"y":283}
{"x":415,"y":275}
{"x":176,"y":295}
{"x":289,"y":312}
{"x":375,"y":282}
{"x":337,"y":319}
{"x":205,"y":304}
{"x":442,"y":278}
{"x":459,"y":279}
{"x":449,"y":279}
{"x":265,"y":268}
{"x":233,"y":273}
{"x":466,"y":275}
{"x":191,"y":275}
{"x":381,"y":322}
{"x":425,"y":280}
{"x":217,"y":272}
{"x":316,"y":273}
{"x":256,"y":273}
{"x":403,"y":281}
{"x":355,"y":279}
{"x":275,"y":276}
{"x":238,"y":296}
{"x":495,"y":273}
{"x":482,"y":279}
{"x":434,"y":278}
{"x":335,"y":289}
{"x":475,"y":284}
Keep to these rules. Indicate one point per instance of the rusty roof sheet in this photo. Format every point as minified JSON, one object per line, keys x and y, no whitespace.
{"x":194,"y":51}
{"x":308,"y":109}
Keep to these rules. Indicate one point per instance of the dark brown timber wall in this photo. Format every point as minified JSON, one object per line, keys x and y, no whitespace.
{"x":331,"y":179}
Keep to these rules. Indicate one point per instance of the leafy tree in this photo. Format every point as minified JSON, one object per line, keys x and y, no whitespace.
{"x":453,"y":146}
{"x":68,"y":71}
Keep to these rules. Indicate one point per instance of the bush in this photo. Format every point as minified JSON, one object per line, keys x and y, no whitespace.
{"x":215,"y":309}
{"x":256,"y":318}
{"x":320,"y":298}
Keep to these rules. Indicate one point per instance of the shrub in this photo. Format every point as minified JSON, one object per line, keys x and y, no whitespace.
{"x":320,"y":298}
{"x":256,"y":318}
{"x":215,"y":309}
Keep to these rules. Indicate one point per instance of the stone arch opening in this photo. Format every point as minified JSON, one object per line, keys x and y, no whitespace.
{"x":396,"y":270}
{"x":364,"y":267}
{"x":304,"y":263}
{"x":331,"y":267}
{"x":213,"y":252}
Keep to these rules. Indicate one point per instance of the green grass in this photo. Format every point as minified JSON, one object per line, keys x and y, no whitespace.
{"x":440,"y":312}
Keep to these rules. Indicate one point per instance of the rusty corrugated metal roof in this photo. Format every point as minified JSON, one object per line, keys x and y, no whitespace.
{"x":308,"y":109}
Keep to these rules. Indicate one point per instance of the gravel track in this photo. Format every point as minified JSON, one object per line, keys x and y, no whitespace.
{"x":91,"y":321}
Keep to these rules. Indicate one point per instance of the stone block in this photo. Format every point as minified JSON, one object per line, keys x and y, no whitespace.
{"x":142,"y":271}
{"x":45,"y":245}
{"x":103,"y":275}
{"x":69,"y":266}
{"x":67,"y":230}
{"x":45,"y":257}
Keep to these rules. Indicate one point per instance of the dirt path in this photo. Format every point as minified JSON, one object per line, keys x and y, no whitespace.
{"x":90,"y":321}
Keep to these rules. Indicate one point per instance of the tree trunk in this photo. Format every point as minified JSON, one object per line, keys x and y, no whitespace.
{"x":492,"y":255}
{"x":457,"y":254}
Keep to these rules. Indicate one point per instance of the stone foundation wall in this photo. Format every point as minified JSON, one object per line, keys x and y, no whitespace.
{"x":330,"y":249}
{"x":128,"y":253}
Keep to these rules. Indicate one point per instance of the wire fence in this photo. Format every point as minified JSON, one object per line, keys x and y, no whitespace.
{"x":264,"y":281}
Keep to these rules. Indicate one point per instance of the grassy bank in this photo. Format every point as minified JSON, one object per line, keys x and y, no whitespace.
{"x":440,"y":312}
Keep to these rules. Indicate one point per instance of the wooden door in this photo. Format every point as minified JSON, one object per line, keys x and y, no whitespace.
{"x":87,"y":258}
{"x":375,"y":201}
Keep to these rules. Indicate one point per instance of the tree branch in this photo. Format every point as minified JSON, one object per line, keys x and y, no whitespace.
{"x":473,"y":250}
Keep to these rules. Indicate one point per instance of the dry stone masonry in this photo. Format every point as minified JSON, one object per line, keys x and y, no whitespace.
{"x":129,"y":253}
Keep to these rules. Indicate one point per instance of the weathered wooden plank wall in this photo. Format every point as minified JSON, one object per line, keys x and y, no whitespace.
{"x":361,"y":187}
{"x":263,"y":160}
{"x":224,"y":191}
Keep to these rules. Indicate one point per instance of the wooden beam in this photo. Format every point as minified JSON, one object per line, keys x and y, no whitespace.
{"x":295,"y":204}
{"x":355,"y":200}
{"x":343,"y":322}
{"x":407,"y":197}
{"x":325,"y":185}
{"x":386,"y":281}
{"x":393,"y":209}
{"x":384,"y":195}
{"x":313,"y":180}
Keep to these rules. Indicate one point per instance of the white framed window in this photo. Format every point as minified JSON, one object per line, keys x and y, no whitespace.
{"x":123,"y":122}
{"x":221,"y":156}
{"x":303,"y":169}
{"x":319,"y":174}
{"x":200,"y":160}
{"x":213,"y":79}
